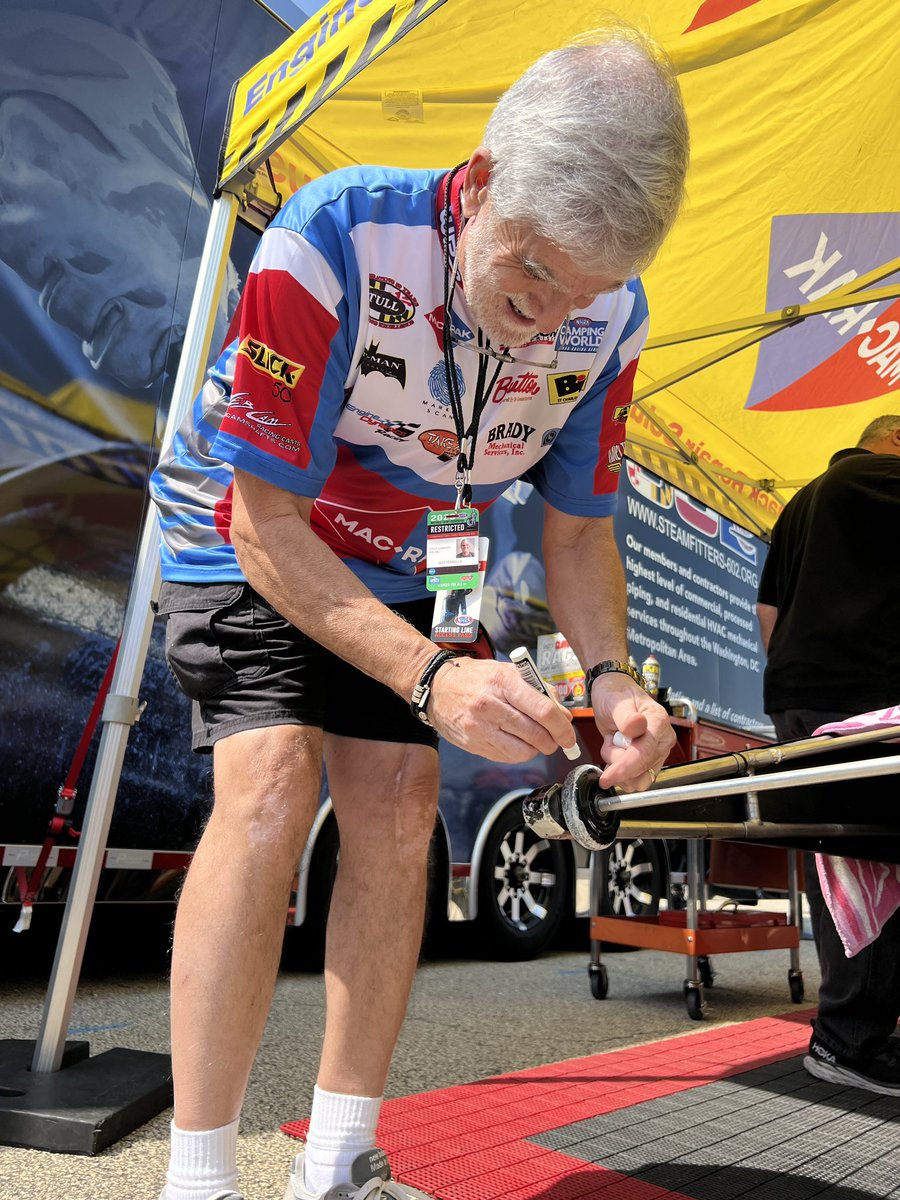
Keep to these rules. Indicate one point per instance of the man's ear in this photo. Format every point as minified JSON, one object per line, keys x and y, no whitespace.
{"x":475,"y":185}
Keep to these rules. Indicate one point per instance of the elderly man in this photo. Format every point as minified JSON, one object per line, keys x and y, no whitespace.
{"x":376,"y":384}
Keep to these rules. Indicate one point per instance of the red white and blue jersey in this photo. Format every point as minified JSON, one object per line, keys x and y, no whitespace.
{"x":334,"y":387}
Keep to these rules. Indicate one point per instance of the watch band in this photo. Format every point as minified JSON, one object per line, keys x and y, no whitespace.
{"x":610,"y":665}
{"x":422,"y":691}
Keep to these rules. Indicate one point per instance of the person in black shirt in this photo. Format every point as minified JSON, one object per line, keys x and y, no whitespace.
{"x":828,"y":606}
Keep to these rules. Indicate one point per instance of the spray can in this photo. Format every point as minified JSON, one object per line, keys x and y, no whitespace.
{"x":650,"y":675}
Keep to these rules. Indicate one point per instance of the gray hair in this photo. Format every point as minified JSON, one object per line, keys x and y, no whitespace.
{"x":881,"y":427}
{"x":590,"y":147}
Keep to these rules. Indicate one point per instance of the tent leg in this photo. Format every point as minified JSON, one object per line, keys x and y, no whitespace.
{"x":92,"y":1102}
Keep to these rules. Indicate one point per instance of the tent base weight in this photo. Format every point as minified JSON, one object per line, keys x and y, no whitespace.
{"x":87,"y":1104}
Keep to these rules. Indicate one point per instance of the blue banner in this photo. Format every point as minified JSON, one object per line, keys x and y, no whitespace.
{"x":693,"y":577}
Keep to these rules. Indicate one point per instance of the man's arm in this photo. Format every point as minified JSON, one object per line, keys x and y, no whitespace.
{"x":587,"y":595}
{"x":767,"y":615}
{"x":485,"y":707}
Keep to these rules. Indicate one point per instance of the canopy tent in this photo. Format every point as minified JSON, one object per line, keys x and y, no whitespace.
{"x":790,"y":219}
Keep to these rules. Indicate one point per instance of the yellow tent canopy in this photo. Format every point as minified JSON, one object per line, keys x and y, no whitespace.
{"x":775,"y":323}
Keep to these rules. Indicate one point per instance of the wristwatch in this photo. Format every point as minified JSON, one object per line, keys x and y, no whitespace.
{"x":605,"y":668}
{"x":422,"y":691}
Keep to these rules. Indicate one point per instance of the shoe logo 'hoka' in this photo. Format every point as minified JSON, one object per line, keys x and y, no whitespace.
{"x":821,"y":1052}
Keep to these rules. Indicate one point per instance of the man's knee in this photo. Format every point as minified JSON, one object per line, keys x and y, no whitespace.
{"x":392,"y":798}
{"x":267,"y":785}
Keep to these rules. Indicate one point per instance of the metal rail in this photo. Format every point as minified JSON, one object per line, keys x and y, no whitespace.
{"x":750,"y":783}
{"x":748,"y":831}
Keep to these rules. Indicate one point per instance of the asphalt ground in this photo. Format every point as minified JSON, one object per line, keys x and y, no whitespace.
{"x":468,"y":1019}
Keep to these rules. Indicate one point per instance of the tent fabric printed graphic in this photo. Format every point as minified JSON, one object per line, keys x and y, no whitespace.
{"x":840,"y":357}
{"x":762,"y":359}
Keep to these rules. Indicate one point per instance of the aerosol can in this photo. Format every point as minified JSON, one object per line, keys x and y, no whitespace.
{"x":650,"y":676}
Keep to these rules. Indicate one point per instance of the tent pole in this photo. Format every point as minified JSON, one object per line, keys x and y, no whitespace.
{"x":121,"y":707}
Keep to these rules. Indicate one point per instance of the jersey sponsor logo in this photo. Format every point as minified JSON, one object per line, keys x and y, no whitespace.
{"x":270,"y":362}
{"x":581,"y":335}
{"x":442,"y":442}
{"x":345,"y":523}
{"x":614,"y":458}
{"x":543,"y":339}
{"x":249,"y":411}
{"x":390,"y":303}
{"x":620,"y":413}
{"x":458,"y":329}
{"x":438,"y":389}
{"x":516,"y":387}
{"x":549,"y":437}
{"x":508,"y":438}
{"x":565,"y":387}
{"x":399,"y":431}
{"x":388,"y":365}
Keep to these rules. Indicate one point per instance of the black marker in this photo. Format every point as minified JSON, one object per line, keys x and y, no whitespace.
{"x":526,"y":667}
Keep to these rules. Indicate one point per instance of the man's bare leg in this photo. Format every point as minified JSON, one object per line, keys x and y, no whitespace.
{"x":231,"y":916}
{"x":385,"y":799}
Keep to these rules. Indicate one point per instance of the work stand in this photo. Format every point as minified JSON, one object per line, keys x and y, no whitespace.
{"x":697,"y":932}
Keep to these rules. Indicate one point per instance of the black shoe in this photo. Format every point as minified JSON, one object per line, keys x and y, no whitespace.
{"x":880,"y":1073}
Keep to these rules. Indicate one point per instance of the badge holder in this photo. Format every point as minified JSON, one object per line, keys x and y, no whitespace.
{"x":456,"y":609}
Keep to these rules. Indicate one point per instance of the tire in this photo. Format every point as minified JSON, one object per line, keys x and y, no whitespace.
{"x":795,"y":983}
{"x":598,"y":978}
{"x":634,"y":877}
{"x":694,"y":1002}
{"x":524,"y":889}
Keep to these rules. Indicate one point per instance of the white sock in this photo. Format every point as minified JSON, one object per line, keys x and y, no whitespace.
{"x":202,"y":1163}
{"x":340,"y":1128}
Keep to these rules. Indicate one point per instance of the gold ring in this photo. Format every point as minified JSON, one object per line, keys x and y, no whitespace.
{"x":652,"y":774}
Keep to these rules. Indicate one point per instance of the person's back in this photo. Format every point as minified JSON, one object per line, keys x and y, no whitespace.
{"x":829,"y":598}
{"x":835,"y":580}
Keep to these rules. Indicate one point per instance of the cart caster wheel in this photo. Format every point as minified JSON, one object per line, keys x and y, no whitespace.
{"x":707,"y":974}
{"x":795,"y":983}
{"x":693,"y":1000}
{"x":599,"y":980}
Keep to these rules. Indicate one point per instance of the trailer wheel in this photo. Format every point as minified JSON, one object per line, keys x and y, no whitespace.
{"x":523,"y":888}
{"x":634,"y":877}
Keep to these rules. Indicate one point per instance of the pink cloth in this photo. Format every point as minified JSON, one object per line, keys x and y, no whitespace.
{"x":860,"y":895}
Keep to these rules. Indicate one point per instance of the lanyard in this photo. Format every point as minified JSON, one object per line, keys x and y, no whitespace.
{"x":465,"y":437}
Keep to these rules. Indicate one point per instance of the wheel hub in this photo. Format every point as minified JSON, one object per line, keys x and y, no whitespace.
{"x":517,"y":874}
{"x":622,"y":879}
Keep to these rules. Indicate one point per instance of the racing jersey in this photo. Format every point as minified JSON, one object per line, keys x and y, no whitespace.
{"x":334,"y":387}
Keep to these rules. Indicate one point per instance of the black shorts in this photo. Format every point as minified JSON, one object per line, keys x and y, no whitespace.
{"x":244,"y":667}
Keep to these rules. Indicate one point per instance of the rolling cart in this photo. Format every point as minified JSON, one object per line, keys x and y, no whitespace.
{"x":698,"y":932}
{"x":796,"y":795}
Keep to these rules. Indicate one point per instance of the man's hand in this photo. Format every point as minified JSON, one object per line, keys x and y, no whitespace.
{"x":620,"y":705}
{"x":488,"y":709}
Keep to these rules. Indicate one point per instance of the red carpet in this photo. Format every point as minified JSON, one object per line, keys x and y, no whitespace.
{"x":469,"y":1142}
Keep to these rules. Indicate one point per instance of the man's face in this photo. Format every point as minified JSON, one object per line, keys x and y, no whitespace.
{"x":517,"y":283}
